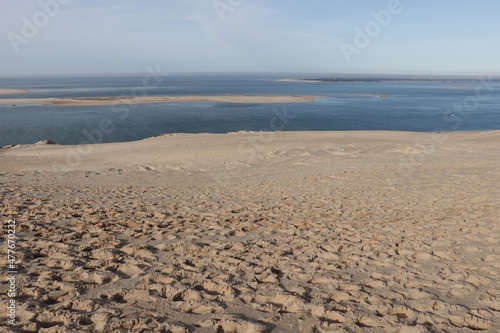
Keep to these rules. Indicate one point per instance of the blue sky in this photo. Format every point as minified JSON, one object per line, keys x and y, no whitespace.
{"x":125,"y":36}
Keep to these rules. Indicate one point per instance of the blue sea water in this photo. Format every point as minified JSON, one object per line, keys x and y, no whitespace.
{"x":410,"y":105}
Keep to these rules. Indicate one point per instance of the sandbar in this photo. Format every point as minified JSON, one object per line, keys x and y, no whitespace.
{"x":12,"y":91}
{"x":243,"y":99}
{"x":296,"y":80}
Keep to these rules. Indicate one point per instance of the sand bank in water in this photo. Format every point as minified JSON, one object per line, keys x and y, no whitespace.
{"x":12,"y":91}
{"x":256,"y":99}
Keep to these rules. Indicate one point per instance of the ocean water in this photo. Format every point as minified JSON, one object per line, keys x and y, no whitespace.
{"x":410,"y":105}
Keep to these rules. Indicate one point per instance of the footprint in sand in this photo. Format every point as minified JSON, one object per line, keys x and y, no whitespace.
{"x":159,"y":279}
{"x":60,"y":296}
{"x":279,"y":303}
{"x":85,"y":305}
{"x":132,"y":325}
{"x":47,"y":319}
{"x":188,"y":295}
{"x":460,"y":290}
{"x":493,"y":304}
{"x":240,"y":326}
{"x":138,"y":251}
{"x":200,"y":308}
{"x":418,"y":294}
{"x":132,"y":297}
{"x":370,"y":321}
{"x":401,"y":312}
{"x":130,"y":270}
{"x":217,"y":288}
{"x":319,"y":312}
{"x":470,"y":321}
{"x":24,"y":313}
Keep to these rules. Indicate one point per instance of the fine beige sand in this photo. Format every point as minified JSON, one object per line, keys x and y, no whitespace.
{"x":12,"y":91}
{"x":257,"y":232}
{"x":255,"y":99}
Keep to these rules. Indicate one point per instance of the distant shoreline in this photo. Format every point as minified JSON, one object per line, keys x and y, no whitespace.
{"x":297,"y":80}
{"x":12,"y":91}
{"x":318,"y":80}
{"x":100,"y":101}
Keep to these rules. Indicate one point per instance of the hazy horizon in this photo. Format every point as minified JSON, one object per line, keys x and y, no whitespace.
{"x":384,"y":37}
{"x":301,"y":75}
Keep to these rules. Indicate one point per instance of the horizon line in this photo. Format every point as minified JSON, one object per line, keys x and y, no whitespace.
{"x":407,"y":75}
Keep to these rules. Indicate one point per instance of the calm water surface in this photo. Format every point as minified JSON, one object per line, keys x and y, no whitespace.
{"x":407,"y":106}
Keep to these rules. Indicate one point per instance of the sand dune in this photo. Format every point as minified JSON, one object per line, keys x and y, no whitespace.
{"x":258,"y":232}
{"x":254,"y":99}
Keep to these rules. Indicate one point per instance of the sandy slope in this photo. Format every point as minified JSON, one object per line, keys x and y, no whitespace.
{"x":254,"y":232}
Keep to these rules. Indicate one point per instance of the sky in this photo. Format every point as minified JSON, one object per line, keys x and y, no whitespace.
{"x":417,"y":37}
